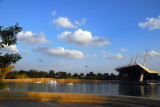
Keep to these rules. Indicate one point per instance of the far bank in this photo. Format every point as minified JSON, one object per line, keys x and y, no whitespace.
{"x":45,"y":80}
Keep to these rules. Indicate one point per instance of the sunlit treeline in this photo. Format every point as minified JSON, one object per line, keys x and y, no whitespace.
{"x":52,"y":74}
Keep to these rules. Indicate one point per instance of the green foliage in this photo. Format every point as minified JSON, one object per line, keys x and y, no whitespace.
{"x":51,"y":74}
{"x":42,"y":74}
{"x":2,"y":85}
{"x":16,"y":75}
{"x":33,"y":74}
{"x":8,"y":37}
{"x":9,"y":59}
{"x":61,"y":74}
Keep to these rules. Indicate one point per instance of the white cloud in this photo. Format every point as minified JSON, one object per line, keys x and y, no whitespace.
{"x":113,"y":57}
{"x":154,"y":53}
{"x":63,"y":22}
{"x":53,"y":13}
{"x":83,"y":22}
{"x":30,"y":38}
{"x":11,"y":48}
{"x":82,"y":38}
{"x":151,"y":23}
{"x":124,"y":50}
{"x":60,"y":52}
{"x":24,"y":51}
{"x":104,"y":52}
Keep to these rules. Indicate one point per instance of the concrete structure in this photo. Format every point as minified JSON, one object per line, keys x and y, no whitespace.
{"x":136,"y":73}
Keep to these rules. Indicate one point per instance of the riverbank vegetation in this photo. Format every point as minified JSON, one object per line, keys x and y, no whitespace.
{"x":61,"y":75}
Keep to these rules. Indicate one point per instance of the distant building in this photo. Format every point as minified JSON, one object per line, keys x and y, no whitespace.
{"x":137,"y":73}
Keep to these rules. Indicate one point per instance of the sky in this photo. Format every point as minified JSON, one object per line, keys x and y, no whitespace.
{"x":68,"y":35}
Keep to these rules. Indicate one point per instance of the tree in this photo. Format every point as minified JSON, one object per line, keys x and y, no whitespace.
{"x":33,"y":74}
{"x":91,"y":75}
{"x":99,"y":76}
{"x":8,"y":38}
{"x":106,"y":76}
{"x":61,"y":74}
{"x":75,"y":75}
{"x":113,"y":76}
{"x":42,"y":74}
{"x":51,"y":74}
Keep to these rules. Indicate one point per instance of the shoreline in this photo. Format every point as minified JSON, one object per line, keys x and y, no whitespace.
{"x":73,"y":98}
{"x":46,"y":80}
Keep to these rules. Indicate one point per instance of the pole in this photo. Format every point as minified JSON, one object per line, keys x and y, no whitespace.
{"x":86,"y":70}
{"x":131,"y":61}
{"x":145,"y":58}
{"x":136,"y":58}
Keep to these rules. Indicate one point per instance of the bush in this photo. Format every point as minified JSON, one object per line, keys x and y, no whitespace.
{"x":3,"y":85}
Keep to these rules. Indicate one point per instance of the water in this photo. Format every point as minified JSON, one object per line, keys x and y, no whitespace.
{"x":150,"y":91}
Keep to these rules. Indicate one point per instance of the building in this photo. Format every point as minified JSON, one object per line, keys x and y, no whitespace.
{"x":137,"y":73}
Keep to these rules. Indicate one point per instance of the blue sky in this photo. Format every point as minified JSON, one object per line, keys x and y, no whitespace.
{"x":67,"y":35}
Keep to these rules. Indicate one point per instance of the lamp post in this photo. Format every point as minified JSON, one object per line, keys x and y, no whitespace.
{"x":86,"y":70}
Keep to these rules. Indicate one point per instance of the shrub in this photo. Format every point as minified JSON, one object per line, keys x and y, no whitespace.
{"x":2,"y":85}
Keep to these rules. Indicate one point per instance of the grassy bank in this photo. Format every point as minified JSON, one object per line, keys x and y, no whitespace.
{"x":45,"y":80}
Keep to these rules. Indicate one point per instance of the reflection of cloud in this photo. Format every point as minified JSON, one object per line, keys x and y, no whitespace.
{"x":63,"y":22}
{"x":30,"y":38}
{"x":113,"y":57}
{"x":83,"y":38}
{"x":151,"y":23}
{"x":60,"y":52}
{"x":11,"y":48}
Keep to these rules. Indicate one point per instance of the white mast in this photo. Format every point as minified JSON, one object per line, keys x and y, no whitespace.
{"x":136,"y":58}
{"x":145,"y":58}
{"x":131,"y":61}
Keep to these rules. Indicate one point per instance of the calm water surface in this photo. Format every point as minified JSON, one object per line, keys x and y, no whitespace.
{"x":150,"y":91}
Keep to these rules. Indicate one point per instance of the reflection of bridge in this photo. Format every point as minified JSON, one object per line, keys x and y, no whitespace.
{"x":149,"y":91}
{"x":136,"y":73}
{"x":106,"y":100}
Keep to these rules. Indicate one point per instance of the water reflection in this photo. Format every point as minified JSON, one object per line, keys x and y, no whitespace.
{"x":151,"y":91}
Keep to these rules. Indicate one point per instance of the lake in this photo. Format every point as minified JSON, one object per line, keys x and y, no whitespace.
{"x":150,"y":91}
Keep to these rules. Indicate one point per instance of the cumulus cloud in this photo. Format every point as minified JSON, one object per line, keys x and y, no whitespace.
{"x":53,"y":13}
{"x":30,"y":38}
{"x":81,"y":23}
{"x":113,"y":57}
{"x":60,"y":52}
{"x":24,"y":51}
{"x":11,"y":48}
{"x":151,"y":23}
{"x":83,"y":38}
{"x":63,"y":22}
{"x":124,"y":50}
{"x":154,"y":53}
